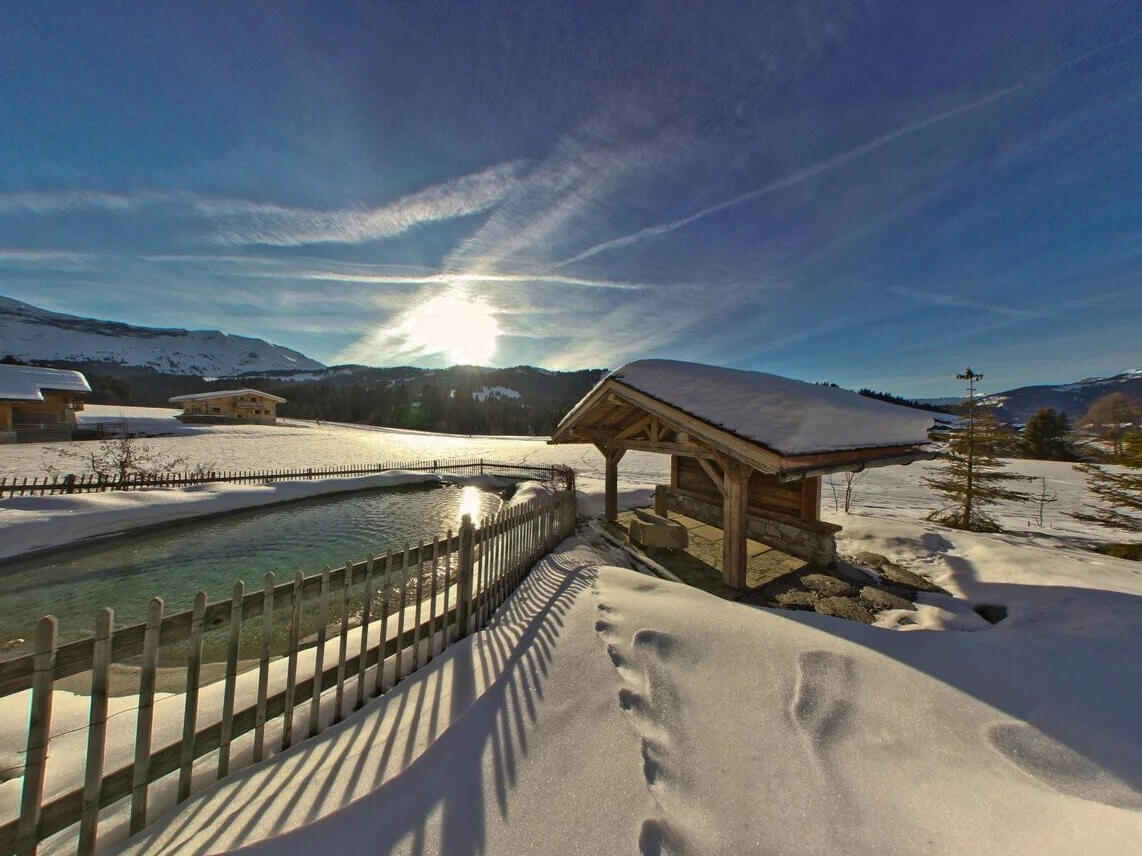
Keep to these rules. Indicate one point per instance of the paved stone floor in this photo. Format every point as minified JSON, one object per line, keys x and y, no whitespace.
{"x":700,"y":564}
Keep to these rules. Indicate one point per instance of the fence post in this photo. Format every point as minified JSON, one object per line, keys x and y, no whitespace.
{"x":464,"y":577}
{"x":39,"y":731}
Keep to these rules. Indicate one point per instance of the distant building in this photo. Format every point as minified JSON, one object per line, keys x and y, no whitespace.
{"x":229,"y":405}
{"x":38,"y":404}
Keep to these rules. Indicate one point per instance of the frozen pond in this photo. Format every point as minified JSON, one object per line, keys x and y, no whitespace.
{"x":176,"y":561}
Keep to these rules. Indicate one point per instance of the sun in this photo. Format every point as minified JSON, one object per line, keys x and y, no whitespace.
{"x":464,"y":328}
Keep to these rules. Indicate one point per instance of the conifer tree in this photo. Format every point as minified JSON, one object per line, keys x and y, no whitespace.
{"x":1119,"y":494}
{"x":970,"y":479}
{"x":1046,"y":436}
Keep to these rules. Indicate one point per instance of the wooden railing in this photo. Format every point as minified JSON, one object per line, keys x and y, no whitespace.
{"x":390,"y":615}
{"x":52,"y":484}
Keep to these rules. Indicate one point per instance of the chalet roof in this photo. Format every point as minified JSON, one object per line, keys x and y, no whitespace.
{"x":786,"y":417}
{"x":26,"y":383}
{"x":226,"y":393}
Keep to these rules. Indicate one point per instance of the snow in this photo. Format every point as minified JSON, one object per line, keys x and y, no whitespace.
{"x":32,"y":333}
{"x":486,"y":392}
{"x":143,"y":421}
{"x":604,"y":711}
{"x":26,"y":383}
{"x":789,"y":416}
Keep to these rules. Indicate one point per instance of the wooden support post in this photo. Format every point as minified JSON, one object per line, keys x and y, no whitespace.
{"x":734,"y":556}
{"x":96,"y":732}
{"x":141,"y":773}
{"x":464,"y":578}
{"x":660,"y":500}
{"x":811,"y":499}
{"x":39,"y":732}
{"x":612,"y":456}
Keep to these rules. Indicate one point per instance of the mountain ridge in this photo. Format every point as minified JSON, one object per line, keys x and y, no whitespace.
{"x":34,"y":334}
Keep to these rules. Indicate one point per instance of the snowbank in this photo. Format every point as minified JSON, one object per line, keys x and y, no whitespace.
{"x":604,"y":711}
{"x":788,"y":416}
{"x":143,"y":421}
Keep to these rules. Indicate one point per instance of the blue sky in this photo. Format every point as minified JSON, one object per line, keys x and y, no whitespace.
{"x":868,"y":193}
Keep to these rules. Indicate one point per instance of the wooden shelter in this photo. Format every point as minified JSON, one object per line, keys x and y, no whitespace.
{"x":757,"y":444}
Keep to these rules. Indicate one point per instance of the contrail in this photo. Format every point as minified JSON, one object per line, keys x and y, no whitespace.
{"x":793,"y":178}
{"x":837,"y":160}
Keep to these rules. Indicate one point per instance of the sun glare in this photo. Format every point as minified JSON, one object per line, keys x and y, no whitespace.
{"x":463,"y":328}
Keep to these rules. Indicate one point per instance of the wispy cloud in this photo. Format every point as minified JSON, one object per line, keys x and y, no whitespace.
{"x":282,"y":226}
{"x":57,"y":201}
{"x":793,"y":178}
{"x":237,"y":221}
{"x":320,"y":270}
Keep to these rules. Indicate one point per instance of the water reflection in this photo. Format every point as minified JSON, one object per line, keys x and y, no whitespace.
{"x":176,"y":561}
{"x":471,"y":502}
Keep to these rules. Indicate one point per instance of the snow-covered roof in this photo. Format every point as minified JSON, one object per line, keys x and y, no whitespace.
{"x":26,"y":383}
{"x":787,"y":416}
{"x":226,"y":393}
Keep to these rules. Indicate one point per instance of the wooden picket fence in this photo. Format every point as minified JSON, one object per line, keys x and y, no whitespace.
{"x":469,"y":575}
{"x":53,"y":484}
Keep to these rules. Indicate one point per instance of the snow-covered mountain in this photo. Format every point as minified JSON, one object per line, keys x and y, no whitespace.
{"x":1019,"y":405}
{"x":31,"y":333}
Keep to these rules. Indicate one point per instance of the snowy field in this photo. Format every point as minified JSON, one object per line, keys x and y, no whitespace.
{"x":604,"y":711}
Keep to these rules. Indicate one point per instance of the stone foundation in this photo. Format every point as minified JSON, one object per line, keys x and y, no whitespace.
{"x":813,"y":542}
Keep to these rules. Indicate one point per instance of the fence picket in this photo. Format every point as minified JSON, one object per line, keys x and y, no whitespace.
{"x":231,"y":677}
{"x":264,"y":666}
{"x":447,"y":588}
{"x":416,"y":611}
{"x":366,"y":614}
{"x":432,"y":597}
{"x":291,"y":668}
{"x":141,"y":778}
{"x":96,"y":733}
{"x":39,"y":732}
{"x":319,"y":653}
{"x":399,"y":667}
{"x":344,"y":649}
{"x":386,"y":593}
{"x":190,"y":710}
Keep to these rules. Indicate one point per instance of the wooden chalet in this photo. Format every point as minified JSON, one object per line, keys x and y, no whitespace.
{"x":39,"y":404}
{"x":747,"y":449}
{"x":230,"y":406}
